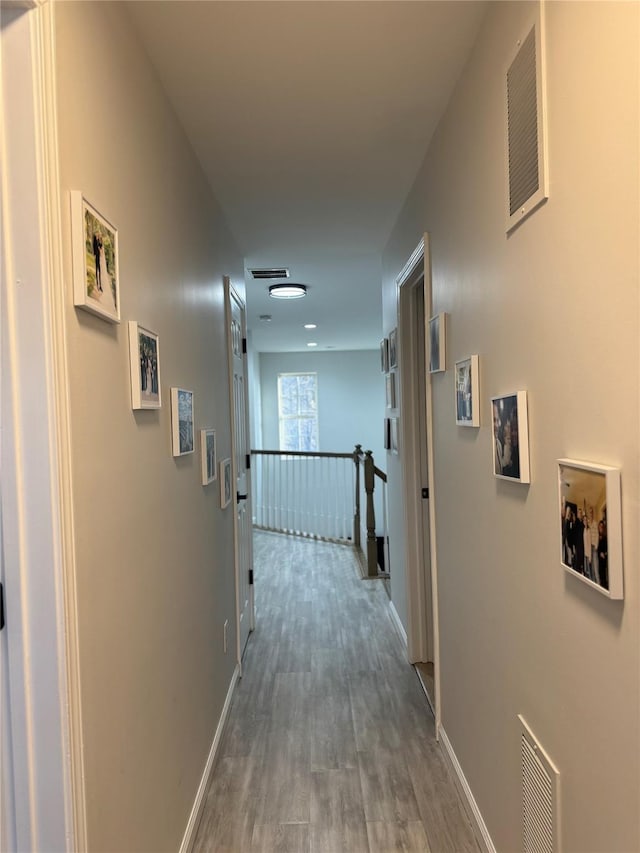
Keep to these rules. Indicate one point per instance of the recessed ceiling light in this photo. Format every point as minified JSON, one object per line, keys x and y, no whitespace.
{"x":287,"y":291}
{"x":310,"y":326}
{"x":312,"y":344}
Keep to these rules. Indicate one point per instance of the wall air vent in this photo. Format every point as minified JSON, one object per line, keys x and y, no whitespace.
{"x":525,"y":126}
{"x":279,"y":272}
{"x":540,"y":796}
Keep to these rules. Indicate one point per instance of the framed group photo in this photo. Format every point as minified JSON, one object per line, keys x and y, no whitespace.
{"x":467,"y":392}
{"x":96,"y":281}
{"x":182,"y":438}
{"x":208,"y":455}
{"x":590,"y":525}
{"x":225,"y":483}
{"x":511,"y":437}
{"x":144,"y":366}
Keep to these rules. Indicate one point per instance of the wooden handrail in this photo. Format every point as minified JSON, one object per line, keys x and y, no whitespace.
{"x":310,"y":454}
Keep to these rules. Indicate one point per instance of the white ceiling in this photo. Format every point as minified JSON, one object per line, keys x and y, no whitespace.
{"x":310,"y":119}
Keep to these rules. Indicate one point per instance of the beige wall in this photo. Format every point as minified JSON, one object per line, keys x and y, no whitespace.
{"x":552,"y":309}
{"x":154,"y":550}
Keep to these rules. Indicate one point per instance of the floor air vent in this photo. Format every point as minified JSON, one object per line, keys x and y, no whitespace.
{"x":540,"y":796}
{"x":279,"y":272}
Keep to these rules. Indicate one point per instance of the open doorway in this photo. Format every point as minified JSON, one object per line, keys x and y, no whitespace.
{"x":414,"y":300}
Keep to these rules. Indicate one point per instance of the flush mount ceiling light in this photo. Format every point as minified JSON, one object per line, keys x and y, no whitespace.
{"x":312,"y":344}
{"x":287,"y":291}
{"x":310,"y":326}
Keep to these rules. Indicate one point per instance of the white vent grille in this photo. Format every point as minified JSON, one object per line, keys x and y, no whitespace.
{"x":540,"y":797}
{"x":279,"y":272}
{"x":525,"y":143}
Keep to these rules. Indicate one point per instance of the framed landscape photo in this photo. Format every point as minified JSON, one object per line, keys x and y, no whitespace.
{"x":437,"y":343}
{"x":511,"y":437}
{"x":96,"y":279}
{"x":225,"y":483}
{"x":144,"y":365}
{"x":182,"y":439}
{"x":208,"y":455}
{"x":384,"y":355}
{"x":393,"y":348}
{"x":467,"y":392}
{"x":590,"y":525}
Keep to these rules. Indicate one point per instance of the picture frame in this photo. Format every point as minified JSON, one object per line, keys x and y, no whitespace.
{"x":510,"y":431}
{"x":437,"y":343}
{"x":393,"y":348}
{"x":144,"y":367}
{"x":225,"y":483}
{"x":95,"y":260}
{"x":387,"y":434}
{"x":208,"y":456}
{"x":384,"y":355}
{"x":394,"y":436}
{"x":390,"y":390}
{"x":182,"y":432}
{"x":467,"y":392}
{"x":589,"y":499}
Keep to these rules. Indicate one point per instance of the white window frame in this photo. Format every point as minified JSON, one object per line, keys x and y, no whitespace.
{"x":297,"y":417}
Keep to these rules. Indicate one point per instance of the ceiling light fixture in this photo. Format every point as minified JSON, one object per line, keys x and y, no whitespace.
{"x":310,"y":326}
{"x":312,"y":344}
{"x":287,"y":291}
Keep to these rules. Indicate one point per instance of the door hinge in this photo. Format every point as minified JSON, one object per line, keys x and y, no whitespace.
{"x":250,"y":577}
{"x":1,"y":606}
{"x":425,"y":493}
{"x":248,"y":460}
{"x":244,"y":346}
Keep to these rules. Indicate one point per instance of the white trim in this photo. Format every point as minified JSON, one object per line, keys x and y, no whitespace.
{"x":397,"y":623}
{"x":198,"y":804}
{"x":480,"y":827}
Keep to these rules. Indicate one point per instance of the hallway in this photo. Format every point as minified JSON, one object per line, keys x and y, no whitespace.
{"x":329,"y":745}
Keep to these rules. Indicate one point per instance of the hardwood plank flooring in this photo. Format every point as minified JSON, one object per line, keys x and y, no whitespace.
{"x":329,"y":746}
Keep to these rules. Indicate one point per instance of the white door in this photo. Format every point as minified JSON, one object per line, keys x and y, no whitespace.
{"x":241,"y":451}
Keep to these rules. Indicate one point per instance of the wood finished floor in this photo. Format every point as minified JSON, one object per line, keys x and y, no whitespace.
{"x":329,"y":744}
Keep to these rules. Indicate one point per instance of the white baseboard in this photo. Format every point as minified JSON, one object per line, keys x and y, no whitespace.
{"x":194,"y":817}
{"x":397,"y":623}
{"x":481,"y":831}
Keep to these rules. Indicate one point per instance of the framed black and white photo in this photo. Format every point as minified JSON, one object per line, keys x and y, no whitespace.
{"x":390,"y":390}
{"x":144,"y":366}
{"x":384,"y":355}
{"x":393,"y":348}
{"x":208,"y":455}
{"x":225,"y":483}
{"x":511,"y":437}
{"x":387,"y":434}
{"x":96,"y":281}
{"x":437,"y":343}
{"x":467,"y":392}
{"x":182,"y":422}
{"x":590,"y":525}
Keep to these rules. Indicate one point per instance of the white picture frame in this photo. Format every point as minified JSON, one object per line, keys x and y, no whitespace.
{"x":182,"y":422}
{"x":390,"y":390}
{"x":510,"y":431}
{"x":591,"y":539}
{"x":393,"y":348}
{"x":208,"y":456}
{"x":95,"y":260}
{"x":393,"y":438}
{"x":144,"y":367}
{"x":384,"y":355}
{"x":467,"y":391}
{"x":437,"y":343}
{"x":226,"y":489}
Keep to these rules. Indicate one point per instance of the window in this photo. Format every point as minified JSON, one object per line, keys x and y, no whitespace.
{"x":298,"y":411}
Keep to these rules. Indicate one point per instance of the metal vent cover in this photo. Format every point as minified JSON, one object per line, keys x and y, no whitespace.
{"x":276,"y":272}
{"x":525,"y":131}
{"x":540,"y":796}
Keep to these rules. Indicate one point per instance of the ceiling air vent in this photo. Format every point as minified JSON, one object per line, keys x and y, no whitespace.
{"x":279,"y":272}
{"x":540,"y":796}
{"x":526,"y":155}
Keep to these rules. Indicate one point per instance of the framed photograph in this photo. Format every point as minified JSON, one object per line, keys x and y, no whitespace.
{"x":96,"y":281}
{"x":208,"y":455}
{"x":394,"y":435}
{"x":182,"y":422}
{"x":393,"y":348}
{"x":590,"y":525}
{"x":390,"y":389}
{"x":144,"y":366}
{"x":437,"y":341}
{"x":384,"y":355}
{"x":467,"y":392}
{"x":225,"y":483}
{"x":387,"y":433}
{"x":511,"y":437}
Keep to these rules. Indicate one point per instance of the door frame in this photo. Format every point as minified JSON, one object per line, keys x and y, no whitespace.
{"x":229,"y":293}
{"x":417,"y":273}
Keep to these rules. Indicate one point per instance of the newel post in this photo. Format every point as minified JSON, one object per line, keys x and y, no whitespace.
{"x":357,"y":453}
{"x":372,"y":545}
